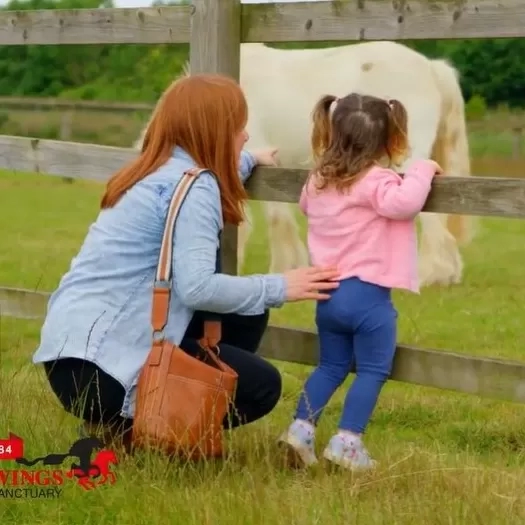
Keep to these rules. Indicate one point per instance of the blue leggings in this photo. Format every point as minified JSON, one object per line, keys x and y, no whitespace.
{"x":357,"y":323}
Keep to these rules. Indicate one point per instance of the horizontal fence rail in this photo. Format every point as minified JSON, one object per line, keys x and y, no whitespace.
{"x":279,"y":22}
{"x":497,"y":378}
{"x":155,"y":25}
{"x":63,"y":104}
{"x":383,"y":20}
{"x":483,"y":196}
{"x":502,"y":379}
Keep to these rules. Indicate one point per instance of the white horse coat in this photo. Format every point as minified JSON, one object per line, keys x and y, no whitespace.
{"x":282,"y":87}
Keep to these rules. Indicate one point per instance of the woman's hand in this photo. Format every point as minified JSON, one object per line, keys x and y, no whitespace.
{"x":310,"y":283}
{"x":265,"y":157}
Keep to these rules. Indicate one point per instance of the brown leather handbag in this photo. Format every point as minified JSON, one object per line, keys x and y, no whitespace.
{"x":181,"y":400}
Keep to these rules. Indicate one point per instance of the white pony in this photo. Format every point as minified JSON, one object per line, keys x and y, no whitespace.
{"x":282,"y":87}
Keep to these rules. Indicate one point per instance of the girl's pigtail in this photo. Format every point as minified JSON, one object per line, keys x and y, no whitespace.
{"x":397,"y":144}
{"x":321,"y":133}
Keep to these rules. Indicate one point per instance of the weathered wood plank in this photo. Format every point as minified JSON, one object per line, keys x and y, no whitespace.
{"x":279,"y":22}
{"x":215,"y":48}
{"x":219,"y":51}
{"x":23,"y":304}
{"x":151,"y":25}
{"x":484,"y":196}
{"x":382,"y":20}
{"x":66,"y":159}
{"x":60,"y":103}
{"x":496,"y":378}
{"x":502,"y":379}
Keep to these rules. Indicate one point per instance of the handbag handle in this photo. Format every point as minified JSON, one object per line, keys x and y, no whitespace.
{"x":162,"y":287}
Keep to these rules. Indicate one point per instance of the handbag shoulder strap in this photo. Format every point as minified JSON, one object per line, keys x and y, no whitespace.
{"x":163,"y":277}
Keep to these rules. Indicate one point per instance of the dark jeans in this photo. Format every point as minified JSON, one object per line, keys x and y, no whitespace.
{"x":357,"y":323}
{"x":92,"y":395}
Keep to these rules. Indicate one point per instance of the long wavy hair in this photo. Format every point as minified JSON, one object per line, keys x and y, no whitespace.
{"x":202,"y":114}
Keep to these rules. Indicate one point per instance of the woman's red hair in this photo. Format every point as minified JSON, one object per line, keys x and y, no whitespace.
{"x":202,"y":114}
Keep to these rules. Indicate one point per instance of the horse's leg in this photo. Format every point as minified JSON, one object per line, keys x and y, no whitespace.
{"x":111,"y":477}
{"x":451,"y":150}
{"x":287,"y":250}
{"x":438,"y":252}
{"x":439,"y":260}
{"x":86,"y":483}
{"x":442,"y":263}
{"x":102,"y":480}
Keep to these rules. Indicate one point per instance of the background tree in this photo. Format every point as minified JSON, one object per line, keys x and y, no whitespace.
{"x":491,"y":69}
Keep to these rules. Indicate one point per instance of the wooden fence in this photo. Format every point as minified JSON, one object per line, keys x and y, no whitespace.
{"x":215,"y":29}
{"x":68,"y":108}
{"x":72,"y":105}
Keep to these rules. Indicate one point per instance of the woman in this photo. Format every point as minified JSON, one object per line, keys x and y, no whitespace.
{"x":97,"y":332}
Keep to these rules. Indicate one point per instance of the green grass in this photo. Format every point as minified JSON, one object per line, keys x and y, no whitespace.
{"x":445,"y":458}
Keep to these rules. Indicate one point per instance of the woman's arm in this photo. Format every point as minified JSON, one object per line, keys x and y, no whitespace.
{"x":194,"y":259}
{"x":246,"y":165}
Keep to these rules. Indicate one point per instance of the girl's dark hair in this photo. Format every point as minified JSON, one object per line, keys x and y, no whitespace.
{"x":352,"y":133}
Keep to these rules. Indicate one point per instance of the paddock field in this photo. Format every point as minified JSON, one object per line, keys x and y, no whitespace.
{"x":445,"y":458}
{"x":490,"y":135}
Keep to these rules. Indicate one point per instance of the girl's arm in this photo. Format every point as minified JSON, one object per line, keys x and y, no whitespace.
{"x":194,"y":259}
{"x":399,"y":198}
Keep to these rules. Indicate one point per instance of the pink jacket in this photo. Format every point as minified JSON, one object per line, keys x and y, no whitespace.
{"x":369,"y":232}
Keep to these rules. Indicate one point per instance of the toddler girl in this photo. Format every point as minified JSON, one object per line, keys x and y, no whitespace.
{"x":361,"y":218}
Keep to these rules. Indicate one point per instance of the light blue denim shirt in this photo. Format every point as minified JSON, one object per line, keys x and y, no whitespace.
{"x":101,"y":310}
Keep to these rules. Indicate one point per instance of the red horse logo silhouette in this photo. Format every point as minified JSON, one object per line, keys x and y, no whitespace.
{"x":99,"y":468}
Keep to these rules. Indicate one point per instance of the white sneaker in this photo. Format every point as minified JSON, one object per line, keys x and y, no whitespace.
{"x":298,"y":442}
{"x":348,"y":452}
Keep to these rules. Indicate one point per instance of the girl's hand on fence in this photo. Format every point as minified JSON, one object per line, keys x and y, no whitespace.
{"x":266,"y":157}
{"x":438,"y":169}
{"x":310,"y":283}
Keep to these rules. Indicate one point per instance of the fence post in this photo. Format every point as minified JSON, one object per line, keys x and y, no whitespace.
{"x":215,"y":48}
{"x":516,"y":144}
{"x":66,"y":124}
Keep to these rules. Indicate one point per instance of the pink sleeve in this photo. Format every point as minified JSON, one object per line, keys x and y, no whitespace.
{"x":302,"y":200}
{"x":399,"y":198}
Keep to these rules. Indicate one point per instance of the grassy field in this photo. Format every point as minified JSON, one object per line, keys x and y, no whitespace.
{"x":445,"y":458}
